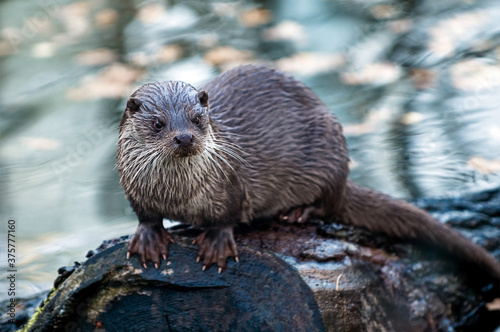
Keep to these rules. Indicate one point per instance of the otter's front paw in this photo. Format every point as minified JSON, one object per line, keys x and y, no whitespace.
{"x":216,"y":245}
{"x":149,"y":242}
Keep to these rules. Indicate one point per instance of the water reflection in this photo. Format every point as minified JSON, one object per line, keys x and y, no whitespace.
{"x":68,"y":66}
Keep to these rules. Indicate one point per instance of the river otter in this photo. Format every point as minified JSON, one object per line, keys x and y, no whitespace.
{"x":266,"y":146}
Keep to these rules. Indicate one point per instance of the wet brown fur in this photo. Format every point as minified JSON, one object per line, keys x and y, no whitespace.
{"x":277,"y":147}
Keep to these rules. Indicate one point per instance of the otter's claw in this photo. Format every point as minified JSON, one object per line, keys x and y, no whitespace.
{"x":149,"y":242}
{"x":216,"y":245}
{"x":297,"y":215}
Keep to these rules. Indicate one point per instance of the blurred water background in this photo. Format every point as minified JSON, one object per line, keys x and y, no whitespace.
{"x":415,"y":85}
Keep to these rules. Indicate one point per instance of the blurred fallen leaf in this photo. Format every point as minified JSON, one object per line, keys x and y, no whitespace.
{"x":208,"y":40}
{"x":75,"y":18}
{"x":115,"y":81}
{"x":423,"y":78}
{"x":475,"y":75}
{"x":224,"y":54}
{"x":310,"y":63}
{"x":483,"y":165}
{"x":151,"y":13}
{"x":447,"y":33}
{"x":96,"y":57}
{"x":373,"y":118}
{"x":40,"y":143}
{"x":383,"y":12}
{"x":356,"y":129}
{"x":140,"y":59}
{"x":255,"y":17}
{"x":411,"y":118}
{"x":10,"y":38}
{"x":106,"y":18}
{"x":493,"y":305}
{"x":401,"y":26}
{"x":43,"y":50}
{"x":6,"y":48}
{"x":233,"y":64}
{"x":169,"y":53}
{"x":166,"y":54}
{"x":375,"y":73}
{"x":287,"y":30}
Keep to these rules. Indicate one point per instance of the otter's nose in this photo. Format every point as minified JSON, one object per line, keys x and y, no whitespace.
{"x":184,"y":140}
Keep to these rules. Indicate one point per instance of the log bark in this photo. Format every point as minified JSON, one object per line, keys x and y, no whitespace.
{"x":110,"y":293}
{"x":310,"y":277}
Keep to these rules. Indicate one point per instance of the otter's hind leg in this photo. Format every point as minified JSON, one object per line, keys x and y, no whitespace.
{"x":300,"y":214}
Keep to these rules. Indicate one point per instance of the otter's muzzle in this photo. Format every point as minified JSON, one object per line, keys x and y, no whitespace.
{"x":184,"y":140}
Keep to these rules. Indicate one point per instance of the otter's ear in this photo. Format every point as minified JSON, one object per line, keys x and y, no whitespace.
{"x":133,"y":104}
{"x":203,"y":97}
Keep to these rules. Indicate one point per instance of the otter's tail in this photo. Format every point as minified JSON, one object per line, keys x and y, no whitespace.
{"x":380,"y":213}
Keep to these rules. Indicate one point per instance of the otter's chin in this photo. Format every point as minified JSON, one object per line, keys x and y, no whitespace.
{"x":184,"y":153}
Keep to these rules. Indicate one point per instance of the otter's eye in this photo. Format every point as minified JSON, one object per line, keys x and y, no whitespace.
{"x":197,"y":120}
{"x":158,"y":125}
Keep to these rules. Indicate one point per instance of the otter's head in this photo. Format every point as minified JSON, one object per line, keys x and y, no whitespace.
{"x":170,"y":117}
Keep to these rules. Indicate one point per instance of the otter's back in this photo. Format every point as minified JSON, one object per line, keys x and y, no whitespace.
{"x":293,"y":144}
